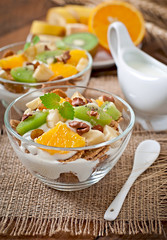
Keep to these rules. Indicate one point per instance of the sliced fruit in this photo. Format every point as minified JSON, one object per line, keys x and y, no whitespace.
{"x":99,"y":102}
{"x":42,"y":73}
{"x":93,"y":137}
{"x":75,"y":28}
{"x":60,"y":16}
{"x":109,"y":133}
{"x":82,"y":64}
{"x":48,"y":54}
{"x":23,"y":74}
{"x":65,"y":70}
{"x":108,"y":12}
{"x":84,"y":113}
{"x":81,"y":13}
{"x":61,"y":136}
{"x":76,"y":55}
{"x":41,"y":27}
{"x":32,"y":122}
{"x":111,"y":109}
{"x":84,"y":40}
{"x":12,"y":61}
{"x":34,"y":103}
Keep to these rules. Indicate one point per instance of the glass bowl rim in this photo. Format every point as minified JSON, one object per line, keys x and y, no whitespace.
{"x":124,"y":133}
{"x":90,"y":62}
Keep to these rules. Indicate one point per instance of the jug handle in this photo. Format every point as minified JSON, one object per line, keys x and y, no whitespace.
{"x":118,"y":39}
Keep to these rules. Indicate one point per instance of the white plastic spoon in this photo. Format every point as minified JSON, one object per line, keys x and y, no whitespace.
{"x":146,"y":153}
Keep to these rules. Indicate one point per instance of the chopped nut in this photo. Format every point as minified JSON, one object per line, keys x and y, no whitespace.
{"x":25,"y":116}
{"x":36,"y":133}
{"x":78,"y":102}
{"x":68,"y":100}
{"x":108,"y":98}
{"x":59,"y":92}
{"x":14,"y":123}
{"x":64,"y":57}
{"x":27,"y":151}
{"x":93,"y":113}
{"x":46,"y":48}
{"x":98,"y":127}
{"x":114,"y":125}
{"x":81,"y":127}
{"x":8,"y":53}
{"x":89,"y":100}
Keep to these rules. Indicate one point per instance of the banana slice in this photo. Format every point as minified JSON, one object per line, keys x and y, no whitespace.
{"x":60,"y":16}
{"x":110,"y":133}
{"x":41,"y":27}
{"x":53,"y":118}
{"x":42,"y":73}
{"x":34,"y":103}
{"x":75,"y":28}
{"x":30,"y":53}
{"x":93,"y":137}
{"x":83,"y":62}
{"x":3,"y":74}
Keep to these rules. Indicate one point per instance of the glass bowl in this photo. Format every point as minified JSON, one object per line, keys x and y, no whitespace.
{"x":80,"y":167}
{"x":10,"y":90}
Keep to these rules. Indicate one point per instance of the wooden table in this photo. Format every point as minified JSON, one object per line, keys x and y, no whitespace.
{"x":15,"y":27}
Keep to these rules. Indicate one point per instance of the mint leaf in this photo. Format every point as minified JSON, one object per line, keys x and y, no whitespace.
{"x":66,"y":110}
{"x":27,"y":45}
{"x":35,"y":40}
{"x":51,"y":100}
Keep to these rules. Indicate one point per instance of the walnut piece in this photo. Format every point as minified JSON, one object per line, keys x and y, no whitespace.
{"x":14,"y":123}
{"x":8,"y":53}
{"x":108,"y":98}
{"x":78,"y":102}
{"x":59,"y":92}
{"x":64,"y":57}
{"x":81,"y":127}
{"x":36,"y":133}
{"x":98,"y":127}
{"x":93,"y":113}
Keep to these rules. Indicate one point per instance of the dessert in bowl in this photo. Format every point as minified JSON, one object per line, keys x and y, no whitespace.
{"x":66,"y":139}
{"x":28,"y":66}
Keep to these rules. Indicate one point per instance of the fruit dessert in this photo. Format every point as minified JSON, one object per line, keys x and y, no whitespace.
{"x":67,"y":123}
{"x":40,"y":62}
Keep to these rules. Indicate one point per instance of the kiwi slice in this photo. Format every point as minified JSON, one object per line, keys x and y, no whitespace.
{"x":32,"y":122}
{"x":48,"y":54}
{"x":83,"y":113}
{"x":111,"y":109}
{"x":23,"y":74}
{"x":86,"y":41}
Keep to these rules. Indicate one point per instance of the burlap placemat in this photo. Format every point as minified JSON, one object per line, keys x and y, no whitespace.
{"x":28,"y":207}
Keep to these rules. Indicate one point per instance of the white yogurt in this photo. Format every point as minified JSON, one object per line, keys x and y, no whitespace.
{"x":49,"y":165}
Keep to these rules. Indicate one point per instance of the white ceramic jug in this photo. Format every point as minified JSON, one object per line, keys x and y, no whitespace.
{"x":142,"y":79}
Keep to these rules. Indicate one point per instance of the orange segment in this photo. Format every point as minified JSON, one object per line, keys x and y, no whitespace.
{"x":61,"y":136}
{"x":99,"y":102}
{"x":12,"y":61}
{"x":76,"y":55}
{"x":108,"y":12}
{"x":65,"y":70}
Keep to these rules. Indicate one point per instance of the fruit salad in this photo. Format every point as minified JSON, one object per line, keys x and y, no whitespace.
{"x":66,"y":123}
{"x":38,"y":63}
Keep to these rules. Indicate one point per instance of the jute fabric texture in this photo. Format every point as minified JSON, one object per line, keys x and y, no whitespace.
{"x":28,"y":207}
